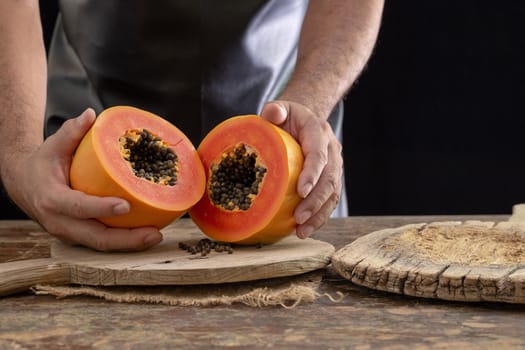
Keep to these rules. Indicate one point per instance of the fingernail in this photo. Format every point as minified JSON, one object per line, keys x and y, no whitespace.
{"x":121,"y":208}
{"x":81,"y":118}
{"x":152,"y":239}
{"x":306,"y":231}
{"x":306,"y":190}
{"x":303,"y":217}
{"x":281,"y":107}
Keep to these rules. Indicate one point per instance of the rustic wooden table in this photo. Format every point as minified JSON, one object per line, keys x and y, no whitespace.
{"x":364,"y":319}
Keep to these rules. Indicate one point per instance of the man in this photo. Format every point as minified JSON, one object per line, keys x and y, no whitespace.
{"x":193,"y":62}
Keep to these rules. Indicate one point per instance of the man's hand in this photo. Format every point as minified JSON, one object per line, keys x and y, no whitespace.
{"x":320,"y":180}
{"x":39,"y":184}
{"x":35,"y":173}
{"x":337,"y":38}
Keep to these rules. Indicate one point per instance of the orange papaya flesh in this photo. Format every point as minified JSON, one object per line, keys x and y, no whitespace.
{"x":252,"y":167}
{"x":113,"y":159}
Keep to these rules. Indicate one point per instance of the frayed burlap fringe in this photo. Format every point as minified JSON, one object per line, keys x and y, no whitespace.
{"x":285,"y":292}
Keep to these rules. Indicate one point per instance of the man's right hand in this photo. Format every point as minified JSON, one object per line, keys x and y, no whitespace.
{"x":38,"y":182}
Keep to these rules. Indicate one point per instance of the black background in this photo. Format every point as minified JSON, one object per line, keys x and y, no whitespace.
{"x":435,"y":123}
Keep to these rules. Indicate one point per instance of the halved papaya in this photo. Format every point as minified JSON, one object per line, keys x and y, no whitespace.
{"x":138,"y":156}
{"x":252,"y":167}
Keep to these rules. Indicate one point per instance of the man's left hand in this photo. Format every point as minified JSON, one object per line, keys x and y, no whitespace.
{"x":320,"y":181}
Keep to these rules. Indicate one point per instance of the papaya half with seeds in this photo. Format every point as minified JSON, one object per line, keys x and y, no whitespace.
{"x":252,"y":167}
{"x":138,"y":156}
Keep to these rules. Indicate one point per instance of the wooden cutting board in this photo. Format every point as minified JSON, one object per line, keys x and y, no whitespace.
{"x":166,"y":264}
{"x":463,"y":261}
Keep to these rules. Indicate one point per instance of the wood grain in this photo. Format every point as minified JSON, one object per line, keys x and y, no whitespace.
{"x":23,"y":239}
{"x":167,"y":264}
{"x":452,"y":260}
{"x":364,"y":319}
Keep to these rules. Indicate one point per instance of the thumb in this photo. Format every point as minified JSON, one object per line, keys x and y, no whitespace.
{"x":275,"y":112}
{"x":67,"y":138}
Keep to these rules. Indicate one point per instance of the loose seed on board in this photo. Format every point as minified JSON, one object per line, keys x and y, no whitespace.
{"x":205,"y":246}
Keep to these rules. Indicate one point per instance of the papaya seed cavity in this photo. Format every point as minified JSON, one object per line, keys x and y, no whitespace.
{"x":149,"y":156}
{"x":235,"y":179}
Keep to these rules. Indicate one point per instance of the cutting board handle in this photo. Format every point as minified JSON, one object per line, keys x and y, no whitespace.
{"x":19,"y":276}
{"x":518,"y":213}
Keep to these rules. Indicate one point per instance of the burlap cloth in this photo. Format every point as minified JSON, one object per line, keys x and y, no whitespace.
{"x":286,"y":292}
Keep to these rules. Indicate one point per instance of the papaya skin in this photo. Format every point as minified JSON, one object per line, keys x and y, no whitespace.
{"x":271,"y":214}
{"x":98,"y":168}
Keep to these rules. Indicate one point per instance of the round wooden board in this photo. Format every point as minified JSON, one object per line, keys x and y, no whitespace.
{"x":462,"y":261}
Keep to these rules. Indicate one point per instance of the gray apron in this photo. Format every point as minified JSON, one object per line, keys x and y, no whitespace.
{"x":193,"y":62}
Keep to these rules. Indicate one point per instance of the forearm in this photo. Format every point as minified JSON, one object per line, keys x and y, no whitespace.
{"x":23,"y":81}
{"x":336,"y":41}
